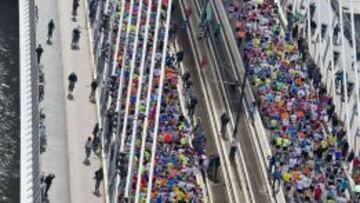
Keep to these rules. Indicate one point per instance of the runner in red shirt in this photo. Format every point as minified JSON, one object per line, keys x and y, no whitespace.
{"x":317,"y":193}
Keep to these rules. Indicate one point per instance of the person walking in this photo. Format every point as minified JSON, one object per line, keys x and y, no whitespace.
{"x":272,"y":162}
{"x":197,"y":126}
{"x":94,"y":85}
{"x":350,"y":158}
{"x":203,"y":163}
{"x":75,"y":37}
{"x":99,"y":175}
{"x":224,"y":121}
{"x":48,"y":181}
{"x":72,"y":80}
{"x":173,"y":31}
{"x":312,"y":10}
{"x":276,"y":175}
{"x":36,"y":14}
{"x":252,"y":108}
{"x":75,"y":6}
{"x":313,"y":27}
{"x":191,"y":108}
{"x":295,"y":32}
{"x":96,"y":129}
{"x":88,"y":147}
{"x":179,"y":57}
{"x":51,"y":27}
{"x":216,"y":167}
{"x":42,"y":186}
{"x":39,"y":51}
{"x":96,"y":143}
{"x":233,"y":149}
{"x":217,"y":30}
{"x":289,"y":16}
{"x":336,"y":33}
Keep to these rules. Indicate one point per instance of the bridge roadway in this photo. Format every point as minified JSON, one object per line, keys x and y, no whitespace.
{"x":217,"y":75}
{"x":189,"y":64}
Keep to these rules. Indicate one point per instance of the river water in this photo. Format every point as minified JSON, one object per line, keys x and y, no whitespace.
{"x":9,"y":102}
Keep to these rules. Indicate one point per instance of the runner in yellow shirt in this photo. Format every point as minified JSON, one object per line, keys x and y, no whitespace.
{"x":286,"y":176}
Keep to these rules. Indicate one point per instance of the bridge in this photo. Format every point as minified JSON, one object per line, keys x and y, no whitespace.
{"x":150,"y":148}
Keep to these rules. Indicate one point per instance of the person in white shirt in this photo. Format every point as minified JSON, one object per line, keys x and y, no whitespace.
{"x":299,"y":186}
{"x":292,"y":162}
{"x":306,"y":181}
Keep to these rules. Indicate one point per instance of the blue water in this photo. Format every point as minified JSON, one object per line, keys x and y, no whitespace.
{"x":9,"y":103}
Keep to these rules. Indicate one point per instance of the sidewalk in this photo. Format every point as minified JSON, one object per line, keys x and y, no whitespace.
{"x":65,"y":151}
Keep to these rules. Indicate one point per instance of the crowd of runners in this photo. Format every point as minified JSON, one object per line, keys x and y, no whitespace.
{"x":156,"y":158}
{"x":307,"y":160}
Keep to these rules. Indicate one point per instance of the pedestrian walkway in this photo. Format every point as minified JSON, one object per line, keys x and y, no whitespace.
{"x":69,"y":122}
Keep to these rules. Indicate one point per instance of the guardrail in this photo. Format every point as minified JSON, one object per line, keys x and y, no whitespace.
{"x":30,"y":149}
{"x":347,"y":23}
{"x":130,"y":87}
{"x":121,"y":83}
{"x":148,"y":97}
{"x":120,"y":89}
{"x":158,"y":105}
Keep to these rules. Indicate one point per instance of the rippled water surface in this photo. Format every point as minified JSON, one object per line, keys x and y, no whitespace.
{"x":9,"y":102}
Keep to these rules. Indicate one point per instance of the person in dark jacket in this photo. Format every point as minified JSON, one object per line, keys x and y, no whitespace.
{"x":51,"y":27}
{"x":224,"y":121}
{"x":336,"y":32}
{"x":48,"y":181}
{"x":99,"y":176}
{"x":72,"y":80}
{"x":39,"y":51}
{"x":94,"y":86}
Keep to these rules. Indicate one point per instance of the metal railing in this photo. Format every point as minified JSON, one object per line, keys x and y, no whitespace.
{"x":347,"y":23}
